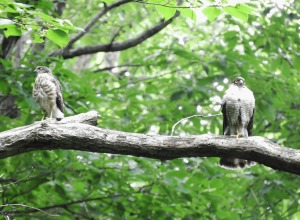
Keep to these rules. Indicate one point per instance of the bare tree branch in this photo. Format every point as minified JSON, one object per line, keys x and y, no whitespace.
{"x":105,"y":9}
{"x":117,"y":46}
{"x":121,"y":65}
{"x":139,"y":80}
{"x":50,"y":135}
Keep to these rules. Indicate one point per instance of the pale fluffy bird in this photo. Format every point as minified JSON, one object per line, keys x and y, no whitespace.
{"x":48,"y":94}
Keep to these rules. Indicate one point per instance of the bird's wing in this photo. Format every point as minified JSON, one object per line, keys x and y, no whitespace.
{"x":224,"y":115}
{"x":59,"y":98}
{"x":249,"y":108}
{"x":250,"y":125}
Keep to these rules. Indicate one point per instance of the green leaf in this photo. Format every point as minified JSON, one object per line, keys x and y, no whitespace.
{"x":236,"y":13}
{"x":296,"y":63}
{"x":11,"y":30}
{"x":188,"y":12}
{"x":108,"y":1}
{"x":166,"y":12}
{"x":205,"y":68}
{"x":186,"y":54}
{"x":44,"y":16}
{"x":58,"y":36}
{"x":10,"y":9}
{"x":211,"y":13}
{"x":5,"y":2}
{"x":37,"y":39}
{"x":230,"y":34}
{"x":293,"y":208}
{"x":244,"y":8}
{"x":177,"y":95}
{"x":3,"y":86}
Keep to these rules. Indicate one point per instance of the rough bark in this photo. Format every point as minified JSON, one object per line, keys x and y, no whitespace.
{"x":79,"y":133}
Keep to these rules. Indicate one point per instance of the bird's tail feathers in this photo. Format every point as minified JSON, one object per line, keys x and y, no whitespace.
{"x":57,"y":114}
{"x":234,"y":163}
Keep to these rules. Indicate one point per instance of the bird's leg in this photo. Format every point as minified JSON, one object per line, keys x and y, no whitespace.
{"x":52,"y":110}
{"x":44,"y":115}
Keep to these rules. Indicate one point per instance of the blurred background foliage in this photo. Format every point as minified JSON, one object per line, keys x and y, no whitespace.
{"x":180,"y":71}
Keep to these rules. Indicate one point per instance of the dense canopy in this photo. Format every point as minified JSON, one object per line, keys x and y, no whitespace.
{"x":145,"y":65}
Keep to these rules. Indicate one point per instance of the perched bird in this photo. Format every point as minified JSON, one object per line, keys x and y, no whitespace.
{"x":47,"y":93}
{"x":238,"y":106}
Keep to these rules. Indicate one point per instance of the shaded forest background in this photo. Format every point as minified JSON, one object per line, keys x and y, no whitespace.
{"x":144,"y":65}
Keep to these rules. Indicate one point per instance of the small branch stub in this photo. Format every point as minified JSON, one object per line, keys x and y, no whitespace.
{"x":89,"y":118}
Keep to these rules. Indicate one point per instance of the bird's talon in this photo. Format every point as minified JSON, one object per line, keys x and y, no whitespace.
{"x":236,"y":135}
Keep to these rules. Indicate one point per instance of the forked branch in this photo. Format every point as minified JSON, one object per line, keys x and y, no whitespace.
{"x":68,"y":53}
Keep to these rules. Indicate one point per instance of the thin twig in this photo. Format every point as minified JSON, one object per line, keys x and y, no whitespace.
{"x":141,"y":80}
{"x":193,"y":116}
{"x":121,"y":65}
{"x":116,"y":34}
{"x":64,"y":205}
{"x":254,"y":195}
{"x":26,"y":206}
{"x":31,"y":171}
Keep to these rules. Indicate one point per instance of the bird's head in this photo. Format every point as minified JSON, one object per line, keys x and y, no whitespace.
{"x":239,"y":81}
{"x":42,"y":69}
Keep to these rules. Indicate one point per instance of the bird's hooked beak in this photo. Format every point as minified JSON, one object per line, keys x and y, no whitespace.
{"x":241,"y":81}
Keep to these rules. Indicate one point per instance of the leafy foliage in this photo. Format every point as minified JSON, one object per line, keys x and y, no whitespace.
{"x":18,"y":18}
{"x":181,"y":71}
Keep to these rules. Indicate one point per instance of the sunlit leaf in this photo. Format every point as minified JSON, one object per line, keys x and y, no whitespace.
{"x":59,"y":37}
{"x":188,"y":12}
{"x":236,"y":13}
{"x":11,"y":30}
{"x":37,"y":39}
{"x":166,"y":12}
{"x":244,"y":8}
{"x":211,"y":13}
